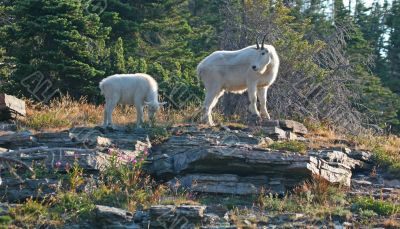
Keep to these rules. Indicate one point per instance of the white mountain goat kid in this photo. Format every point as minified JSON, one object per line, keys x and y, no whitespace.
{"x":253,"y":68}
{"x":131,"y":89}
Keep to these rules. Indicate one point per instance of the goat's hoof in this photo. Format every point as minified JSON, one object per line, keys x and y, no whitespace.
{"x":211,"y":124}
{"x":265,"y":117}
{"x":109,"y":128}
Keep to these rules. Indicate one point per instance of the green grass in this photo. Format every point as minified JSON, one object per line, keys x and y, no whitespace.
{"x":292,"y":146}
{"x":33,"y":213}
{"x":383,"y":158}
{"x":380,"y":207}
{"x":40,"y":121}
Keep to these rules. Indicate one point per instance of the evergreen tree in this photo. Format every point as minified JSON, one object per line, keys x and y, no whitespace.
{"x":340,"y":12}
{"x":6,"y":62}
{"x":62,"y":42}
{"x":371,"y":24}
{"x":364,"y":47}
{"x":117,"y":57}
{"x":59,"y":40}
{"x":393,"y":55}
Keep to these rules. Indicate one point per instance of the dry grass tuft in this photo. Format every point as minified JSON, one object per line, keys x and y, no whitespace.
{"x":391,"y":223}
{"x":64,"y":112}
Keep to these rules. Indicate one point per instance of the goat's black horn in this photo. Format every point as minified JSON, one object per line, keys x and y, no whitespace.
{"x":258,"y":45}
{"x":262,"y":44}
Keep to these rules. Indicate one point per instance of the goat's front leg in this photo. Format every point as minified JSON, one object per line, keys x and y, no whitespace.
{"x":252,"y":90}
{"x":262,"y":96}
{"x":210,"y":101}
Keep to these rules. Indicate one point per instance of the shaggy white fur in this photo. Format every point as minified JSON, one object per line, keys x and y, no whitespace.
{"x":131,"y":89}
{"x":253,"y":69}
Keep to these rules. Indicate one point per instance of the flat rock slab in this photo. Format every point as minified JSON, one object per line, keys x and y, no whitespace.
{"x":111,"y":217}
{"x":10,"y":105}
{"x":170,"y":216}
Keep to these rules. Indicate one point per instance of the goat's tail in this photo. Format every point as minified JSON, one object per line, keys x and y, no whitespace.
{"x":101,"y":86}
{"x":199,"y":71}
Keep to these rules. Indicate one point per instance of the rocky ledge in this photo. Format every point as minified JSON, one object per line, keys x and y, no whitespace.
{"x":224,"y":160}
{"x":236,"y":162}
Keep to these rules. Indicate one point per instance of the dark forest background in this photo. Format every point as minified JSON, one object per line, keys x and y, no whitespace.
{"x":339,"y":63}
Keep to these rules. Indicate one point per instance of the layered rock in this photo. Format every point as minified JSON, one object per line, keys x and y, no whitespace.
{"x":284,"y":129}
{"x":232,"y":162}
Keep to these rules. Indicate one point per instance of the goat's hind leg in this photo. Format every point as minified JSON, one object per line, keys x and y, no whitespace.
{"x":108,"y":110}
{"x":210,"y":101}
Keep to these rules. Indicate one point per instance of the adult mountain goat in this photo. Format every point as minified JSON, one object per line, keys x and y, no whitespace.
{"x":253,"y":68}
{"x":131,"y":89}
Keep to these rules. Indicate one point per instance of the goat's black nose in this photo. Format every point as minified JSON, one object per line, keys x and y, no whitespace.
{"x":254,"y":67}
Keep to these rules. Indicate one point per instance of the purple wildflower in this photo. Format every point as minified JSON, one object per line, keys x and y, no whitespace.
{"x":58,"y":164}
{"x":67,"y":167}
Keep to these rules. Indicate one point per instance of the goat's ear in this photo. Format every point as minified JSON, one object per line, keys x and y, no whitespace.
{"x":163,"y":103}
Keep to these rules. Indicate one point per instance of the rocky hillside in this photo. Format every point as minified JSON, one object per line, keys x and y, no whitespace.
{"x":232,"y":176}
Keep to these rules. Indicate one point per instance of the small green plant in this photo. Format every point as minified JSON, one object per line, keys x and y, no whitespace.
{"x":367,"y":214}
{"x":158,"y":133}
{"x":292,"y":146}
{"x":74,"y":205}
{"x":108,"y":195}
{"x":75,"y":176}
{"x":32,"y":213}
{"x":380,"y":207}
{"x":274,"y":203}
{"x":5,"y":220}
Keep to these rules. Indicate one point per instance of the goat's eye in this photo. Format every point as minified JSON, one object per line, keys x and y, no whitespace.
{"x":263,"y":53}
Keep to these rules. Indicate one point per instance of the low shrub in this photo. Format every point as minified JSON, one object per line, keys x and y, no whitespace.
{"x":292,"y":146}
{"x":380,"y":207}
